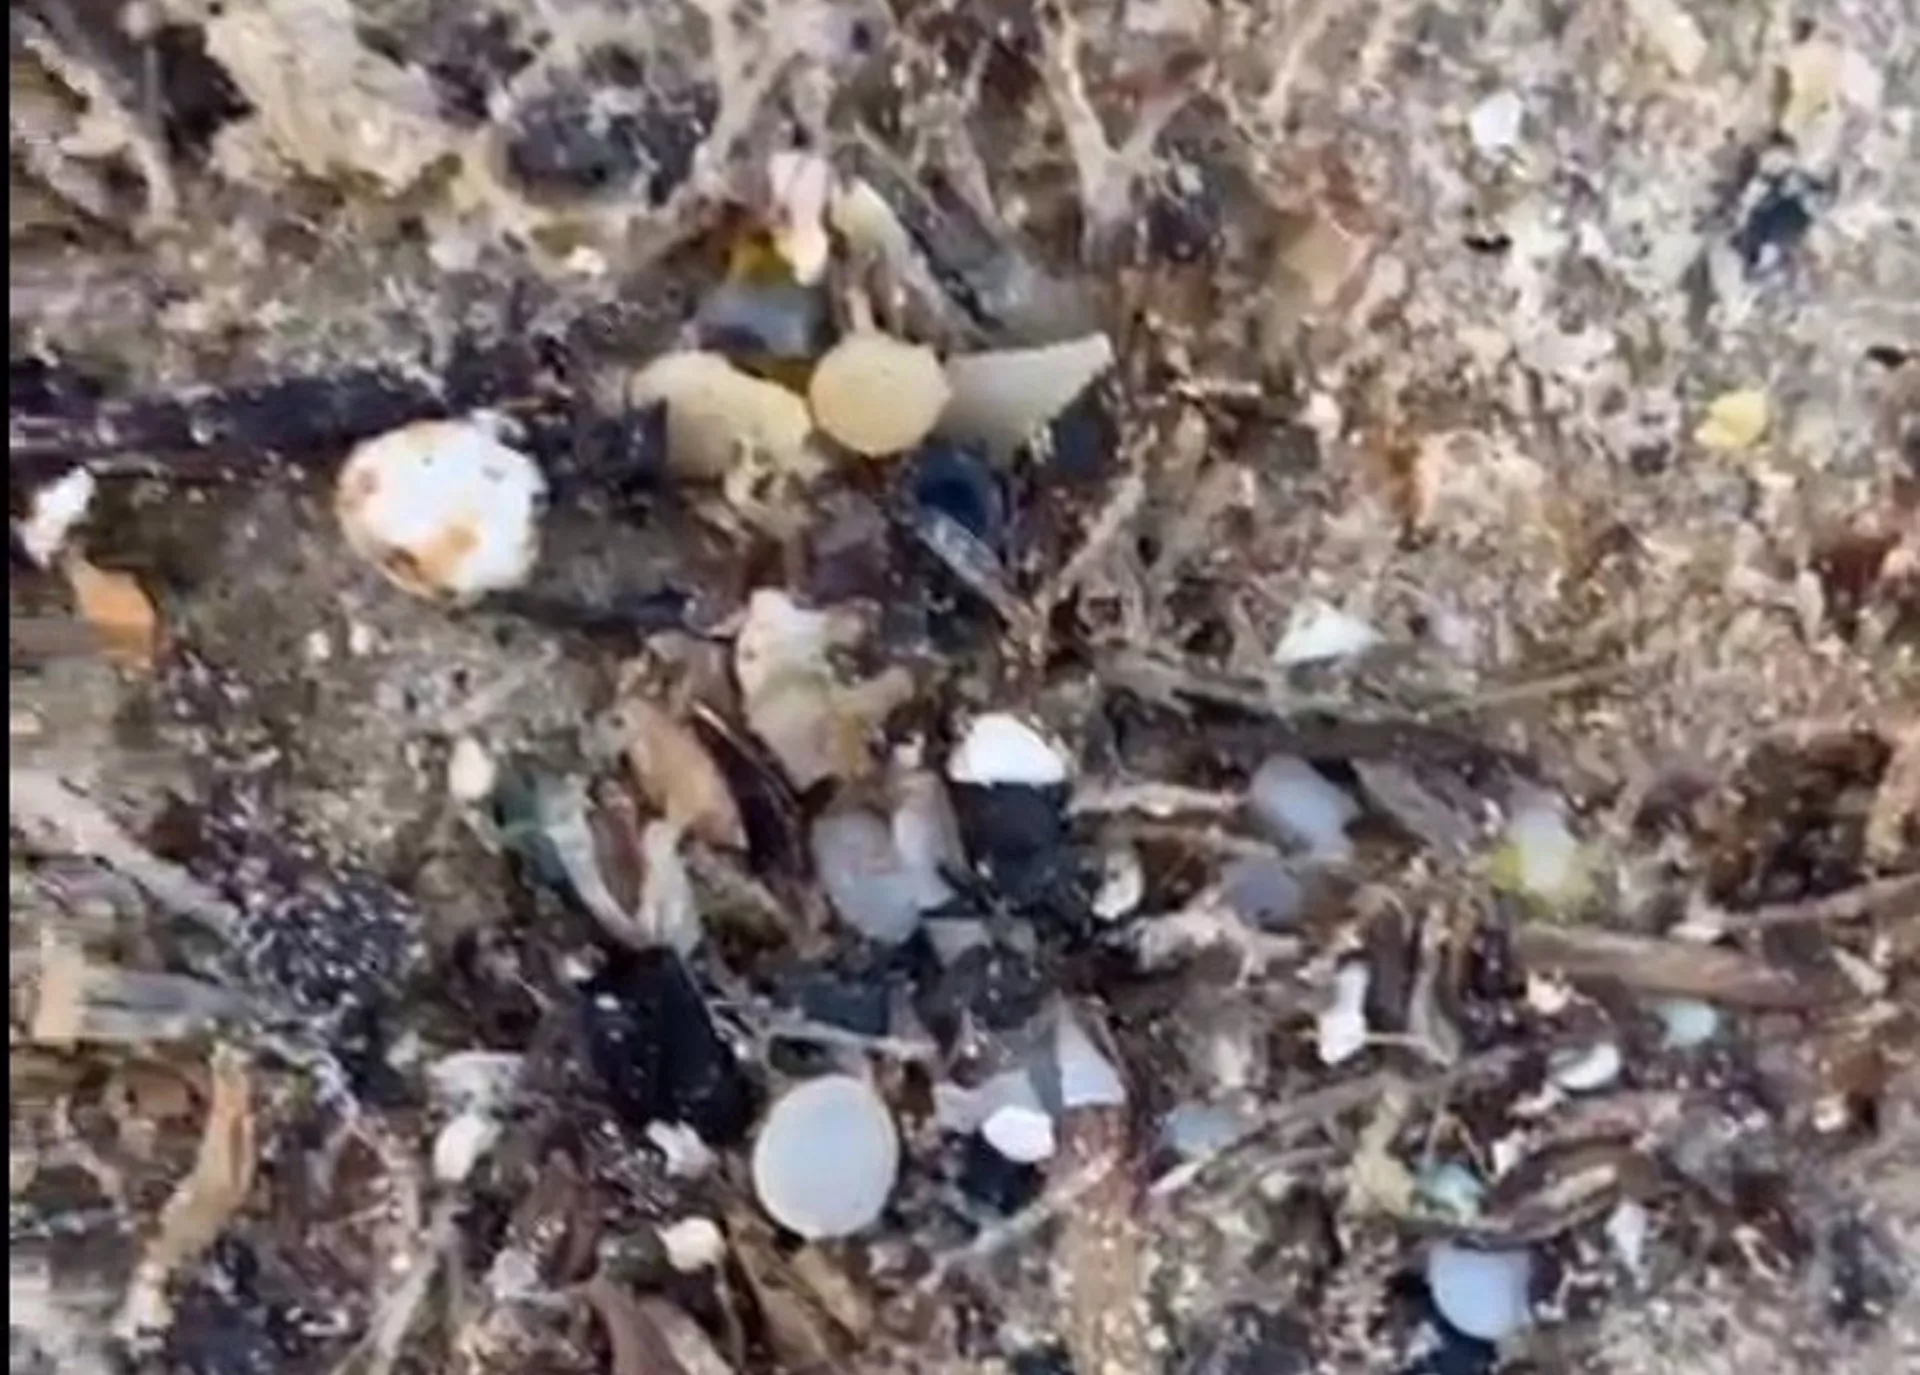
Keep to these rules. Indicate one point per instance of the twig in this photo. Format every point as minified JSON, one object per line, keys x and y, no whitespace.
{"x":1895,"y":898}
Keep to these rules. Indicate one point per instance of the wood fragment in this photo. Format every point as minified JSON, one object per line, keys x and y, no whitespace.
{"x":649,"y":1336}
{"x":204,"y":1202}
{"x":122,"y":614}
{"x":1892,"y":899}
{"x":1670,"y":968}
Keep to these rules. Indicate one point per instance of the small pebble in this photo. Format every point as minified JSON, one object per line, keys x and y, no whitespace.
{"x":1263,"y":891}
{"x":1586,"y":1070}
{"x":1481,"y":1293}
{"x":871,"y":888}
{"x":1196,"y":1131}
{"x":1687,"y":1022}
{"x":826,"y":1158}
{"x":1452,"y":1189}
{"x":1301,"y":805}
{"x":471,"y":772}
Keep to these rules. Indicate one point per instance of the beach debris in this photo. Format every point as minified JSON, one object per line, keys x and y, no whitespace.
{"x":472,"y":773}
{"x":1302,"y":806}
{"x":677,"y":774}
{"x":877,"y":395}
{"x":56,"y":508}
{"x":870,"y":885}
{"x":118,"y":609}
{"x":1341,"y":1028}
{"x":999,"y":749}
{"x":1317,"y":632}
{"x":826,"y":1157}
{"x":1734,"y":421}
{"x":443,"y":508}
{"x":1003,"y":398}
{"x":816,"y":726}
{"x":1687,"y":1022}
{"x":652,"y":1042}
{"x":720,"y":419}
{"x":1539,"y":856}
{"x":1483,"y":1294}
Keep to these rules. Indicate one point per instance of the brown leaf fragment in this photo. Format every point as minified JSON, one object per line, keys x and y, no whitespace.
{"x":650,"y":1336}
{"x":675,"y":772}
{"x":205,"y":1201}
{"x":118,"y":610}
{"x":1098,"y":1274}
{"x":1649,"y":964}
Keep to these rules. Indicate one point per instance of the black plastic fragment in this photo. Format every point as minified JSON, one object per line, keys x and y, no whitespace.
{"x":960,"y":482}
{"x":994,"y":1182}
{"x":652,"y":1044}
{"x":1018,"y":838}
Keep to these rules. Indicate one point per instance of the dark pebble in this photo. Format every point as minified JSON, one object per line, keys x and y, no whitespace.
{"x":567,"y":142}
{"x":990,"y":986}
{"x":652,"y":1043}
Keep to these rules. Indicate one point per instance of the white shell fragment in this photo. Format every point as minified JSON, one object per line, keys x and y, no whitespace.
{"x":1482,"y":1293}
{"x":471,"y":772}
{"x":1300,"y":804}
{"x":1000,"y":749}
{"x":719,"y":416}
{"x":56,"y":509}
{"x":870,"y":886}
{"x":443,"y":508}
{"x":693,"y":1244}
{"x":1012,"y":1119}
{"x":876,"y":394}
{"x":1002,"y":398}
{"x":826,"y":1158}
{"x":460,"y":1144}
{"x":1317,"y":632}
{"x":1123,"y":883}
{"x":1342,"y":1026}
